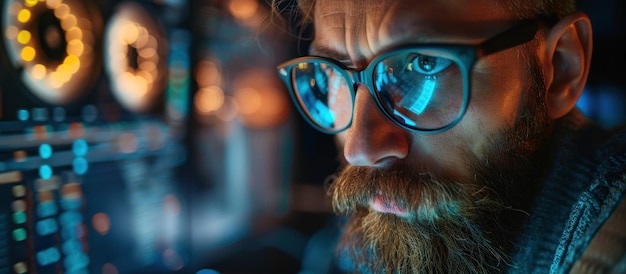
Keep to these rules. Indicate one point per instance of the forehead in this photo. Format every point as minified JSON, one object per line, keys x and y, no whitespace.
{"x":358,"y":29}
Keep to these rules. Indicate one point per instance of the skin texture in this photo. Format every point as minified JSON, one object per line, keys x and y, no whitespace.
{"x":429,"y":189}
{"x":380,"y":142}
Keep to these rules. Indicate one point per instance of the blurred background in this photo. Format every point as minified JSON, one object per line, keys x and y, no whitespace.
{"x":155,"y":137}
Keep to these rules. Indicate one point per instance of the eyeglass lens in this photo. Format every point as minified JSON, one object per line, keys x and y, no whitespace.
{"x":416,"y":90}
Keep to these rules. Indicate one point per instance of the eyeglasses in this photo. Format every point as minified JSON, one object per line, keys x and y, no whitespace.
{"x":423,"y":88}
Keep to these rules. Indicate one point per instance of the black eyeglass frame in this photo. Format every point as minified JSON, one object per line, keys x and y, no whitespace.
{"x":463,"y":55}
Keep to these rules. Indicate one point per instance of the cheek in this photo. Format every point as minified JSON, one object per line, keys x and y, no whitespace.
{"x":497,"y":91}
{"x":494,"y":106}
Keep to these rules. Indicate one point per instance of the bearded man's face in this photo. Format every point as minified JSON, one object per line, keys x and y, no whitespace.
{"x":446,"y":202}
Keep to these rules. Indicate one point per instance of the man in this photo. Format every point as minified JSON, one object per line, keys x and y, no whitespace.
{"x":464,"y":150}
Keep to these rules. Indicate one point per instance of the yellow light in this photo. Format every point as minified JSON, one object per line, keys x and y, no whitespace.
{"x":23,"y":16}
{"x":72,"y":64}
{"x":38,"y":71}
{"x":75,"y":47}
{"x":30,"y":3}
{"x":23,"y":37}
{"x":60,"y":74}
{"x":28,"y":54}
{"x":64,"y":69}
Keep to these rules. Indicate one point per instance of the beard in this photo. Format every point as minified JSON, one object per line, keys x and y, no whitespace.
{"x":452,"y":226}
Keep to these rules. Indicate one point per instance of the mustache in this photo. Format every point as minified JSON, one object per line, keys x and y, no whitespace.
{"x":428,"y":197}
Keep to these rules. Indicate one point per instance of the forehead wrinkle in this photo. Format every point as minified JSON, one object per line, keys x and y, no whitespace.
{"x":356,"y":35}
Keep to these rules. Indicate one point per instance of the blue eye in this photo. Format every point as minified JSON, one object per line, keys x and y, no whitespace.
{"x":428,"y":65}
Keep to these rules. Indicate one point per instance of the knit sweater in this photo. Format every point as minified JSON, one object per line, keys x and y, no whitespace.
{"x":585,"y":185}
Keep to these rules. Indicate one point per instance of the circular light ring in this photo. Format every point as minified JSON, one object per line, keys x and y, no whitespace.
{"x":136,"y":63}
{"x":53,"y":46}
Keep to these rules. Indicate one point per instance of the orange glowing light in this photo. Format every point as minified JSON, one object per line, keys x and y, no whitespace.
{"x":28,"y":54}
{"x":73,"y":33}
{"x":76,"y":130}
{"x":19,"y":156}
{"x":72,"y":191}
{"x":208,"y":74}
{"x":40,"y":132}
{"x":101,"y":223}
{"x":45,"y":196}
{"x":147,"y":52}
{"x":131,"y":32}
{"x":261,"y":103}
{"x":209,"y":99}
{"x":68,"y":22}
{"x":61,"y":11}
{"x":53,"y":4}
{"x":249,"y":100}
{"x":131,"y":27}
{"x":75,"y":47}
{"x":243,"y":9}
{"x":275,"y":102}
{"x":130,"y":82}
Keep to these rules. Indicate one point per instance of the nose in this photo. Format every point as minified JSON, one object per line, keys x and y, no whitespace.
{"x":373,"y":139}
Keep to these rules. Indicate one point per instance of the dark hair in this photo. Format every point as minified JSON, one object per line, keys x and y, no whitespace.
{"x":550,"y":11}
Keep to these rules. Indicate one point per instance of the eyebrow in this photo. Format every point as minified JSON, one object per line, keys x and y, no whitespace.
{"x":324,"y":51}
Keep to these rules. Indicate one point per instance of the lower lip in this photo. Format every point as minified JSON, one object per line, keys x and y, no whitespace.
{"x":379,"y":204}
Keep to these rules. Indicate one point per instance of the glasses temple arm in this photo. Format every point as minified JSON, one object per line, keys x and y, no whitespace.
{"x":516,"y":36}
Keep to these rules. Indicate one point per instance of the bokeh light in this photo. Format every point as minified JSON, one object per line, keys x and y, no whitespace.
{"x":137,"y":49}
{"x":209,"y":99}
{"x":39,"y":49}
{"x":101,"y":223}
{"x":243,"y":9}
